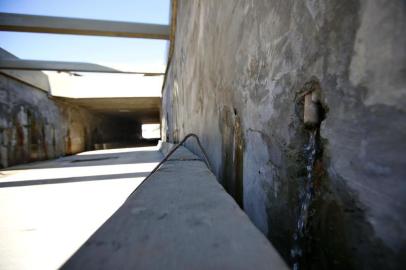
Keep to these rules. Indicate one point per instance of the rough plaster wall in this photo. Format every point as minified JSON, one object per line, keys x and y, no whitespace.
{"x":244,"y":62}
{"x":34,"y":127}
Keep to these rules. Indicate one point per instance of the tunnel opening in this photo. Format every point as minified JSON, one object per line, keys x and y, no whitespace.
{"x":151,"y":131}
{"x":118,"y":122}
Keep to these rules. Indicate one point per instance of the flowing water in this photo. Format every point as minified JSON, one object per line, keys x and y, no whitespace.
{"x":305,"y":200}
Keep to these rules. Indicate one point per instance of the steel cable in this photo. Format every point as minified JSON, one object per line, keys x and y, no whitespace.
{"x":206,"y":160}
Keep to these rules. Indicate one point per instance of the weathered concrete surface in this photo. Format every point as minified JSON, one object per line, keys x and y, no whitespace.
{"x":34,"y":127}
{"x":49,"y":208}
{"x":180,"y":218}
{"x":235,"y":77}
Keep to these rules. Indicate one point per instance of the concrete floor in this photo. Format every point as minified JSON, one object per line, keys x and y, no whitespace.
{"x":49,"y":209}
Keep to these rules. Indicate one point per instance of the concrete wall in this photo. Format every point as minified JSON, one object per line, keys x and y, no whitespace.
{"x":236,"y":78}
{"x":35,"y":127}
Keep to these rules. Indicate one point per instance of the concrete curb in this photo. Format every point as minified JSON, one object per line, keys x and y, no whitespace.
{"x":180,"y":218}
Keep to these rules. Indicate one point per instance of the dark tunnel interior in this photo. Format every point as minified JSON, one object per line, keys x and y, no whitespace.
{"x":123,"y":130}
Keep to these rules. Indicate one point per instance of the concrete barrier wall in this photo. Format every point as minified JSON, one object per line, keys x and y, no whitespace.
{"x":35,"y":127}
{"x":237,"y":79}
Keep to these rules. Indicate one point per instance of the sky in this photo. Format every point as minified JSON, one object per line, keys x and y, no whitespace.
{"x":135,"y":53}
{"x":122,"y":53}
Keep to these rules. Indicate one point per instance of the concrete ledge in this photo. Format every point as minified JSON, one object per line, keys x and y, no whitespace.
{"x":36,"y":79}
{"x":181,"y":154}
{"x":180,"y":218}
{"x":165,"y":147}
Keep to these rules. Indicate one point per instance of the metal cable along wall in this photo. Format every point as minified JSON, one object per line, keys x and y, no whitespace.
{"x":206,"y":160}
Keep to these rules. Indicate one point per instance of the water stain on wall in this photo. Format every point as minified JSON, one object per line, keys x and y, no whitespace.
{"x":232,"y":153}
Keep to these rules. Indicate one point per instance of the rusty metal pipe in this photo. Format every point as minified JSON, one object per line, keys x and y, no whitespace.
{"x":311,"y":112}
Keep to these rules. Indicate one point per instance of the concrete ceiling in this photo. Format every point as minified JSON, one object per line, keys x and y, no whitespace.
{"x":144,"y":109}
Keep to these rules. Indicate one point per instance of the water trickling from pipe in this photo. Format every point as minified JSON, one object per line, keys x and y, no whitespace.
{"x":306,"y":196}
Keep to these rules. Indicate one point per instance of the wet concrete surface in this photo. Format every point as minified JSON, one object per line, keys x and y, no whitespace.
{"x":49,"y":209}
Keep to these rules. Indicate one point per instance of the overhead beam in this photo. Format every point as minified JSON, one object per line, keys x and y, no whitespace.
{"x":62,"y":25}
{"x":33,"y":78}
{"x":19,"y":64}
